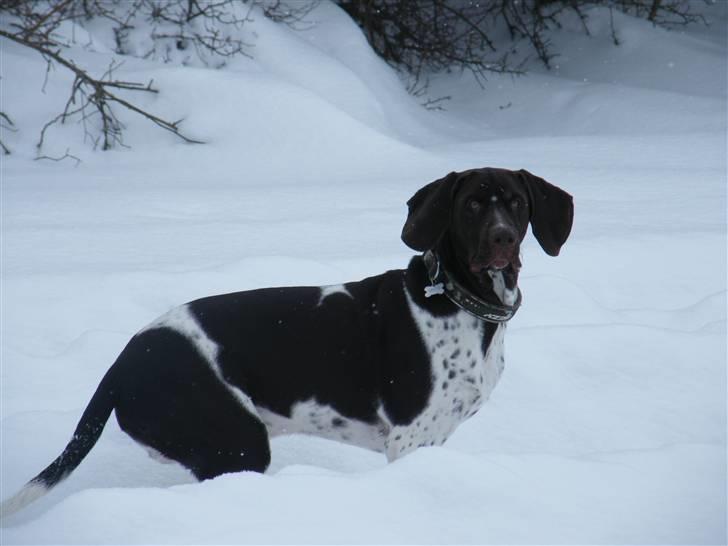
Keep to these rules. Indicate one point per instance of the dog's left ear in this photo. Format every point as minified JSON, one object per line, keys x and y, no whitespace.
{"x":552,"y":213}
{"x":429,"y":213}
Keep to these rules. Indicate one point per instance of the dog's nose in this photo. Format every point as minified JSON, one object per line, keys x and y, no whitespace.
{"x":501,"y":236}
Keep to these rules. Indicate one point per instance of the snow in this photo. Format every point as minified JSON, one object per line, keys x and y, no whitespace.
{"x":609,"y":424}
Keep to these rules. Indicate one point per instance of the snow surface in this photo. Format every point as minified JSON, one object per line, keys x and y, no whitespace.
{"x":609,"y":425}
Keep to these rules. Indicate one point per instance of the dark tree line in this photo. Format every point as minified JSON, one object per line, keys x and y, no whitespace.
{"x":428,"y":36}
{"x":417,"y":37}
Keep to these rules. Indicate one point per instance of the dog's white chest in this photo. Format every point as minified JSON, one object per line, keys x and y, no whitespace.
{"x":463,"y":376}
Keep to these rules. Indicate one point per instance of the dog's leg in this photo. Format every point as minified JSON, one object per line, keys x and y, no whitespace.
{"x":405,"y":439}
{"x":172,"y":401}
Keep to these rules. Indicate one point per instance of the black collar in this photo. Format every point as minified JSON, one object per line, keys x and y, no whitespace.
{"x":444,"y":283}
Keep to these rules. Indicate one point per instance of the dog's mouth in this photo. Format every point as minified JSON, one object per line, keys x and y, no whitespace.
{"x":497,"y":262}
{"x":508,"y":266}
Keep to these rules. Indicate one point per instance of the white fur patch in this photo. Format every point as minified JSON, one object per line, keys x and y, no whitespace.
{"x":156,"y":455}
{"x":506,"y":296}
{"x":462,"y":377}
{"x":310,"y":417}
{"x":181,"y":320}
{"x":327,"y":291}
{"x":30,"y":492}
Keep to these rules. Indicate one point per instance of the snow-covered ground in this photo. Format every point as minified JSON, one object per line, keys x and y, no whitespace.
{"x":609,"y":425}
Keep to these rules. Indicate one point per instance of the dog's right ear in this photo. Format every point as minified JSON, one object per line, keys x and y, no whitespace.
{"x":429,"y":213}
{"x":552,"y":213}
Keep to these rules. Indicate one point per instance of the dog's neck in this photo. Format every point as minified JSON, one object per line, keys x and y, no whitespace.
{"x":445,"y":288}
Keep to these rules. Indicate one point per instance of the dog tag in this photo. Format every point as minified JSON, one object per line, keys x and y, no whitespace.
{"x":434,"y":289}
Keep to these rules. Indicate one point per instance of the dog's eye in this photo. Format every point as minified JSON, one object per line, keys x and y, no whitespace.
{"x":516,"y":203}
{"x":474,"y":205}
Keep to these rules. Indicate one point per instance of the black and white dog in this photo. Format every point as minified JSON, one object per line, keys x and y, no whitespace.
{"x":390,"y":363}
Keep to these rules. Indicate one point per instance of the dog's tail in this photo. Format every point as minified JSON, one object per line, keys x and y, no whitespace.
{"x":87,"y":433}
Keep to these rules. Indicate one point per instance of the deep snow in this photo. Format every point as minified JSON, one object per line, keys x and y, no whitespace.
{"x":609,"y":425}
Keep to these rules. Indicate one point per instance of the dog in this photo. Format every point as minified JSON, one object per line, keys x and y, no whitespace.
{"x":391,"y":363}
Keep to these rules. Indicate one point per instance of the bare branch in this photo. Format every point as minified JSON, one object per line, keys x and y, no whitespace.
{"x":96,"y":92}
{"x":64,"y":156}
{"x":58,"y":8}
{"x":210,"y":29}
{"x":6,"y":124}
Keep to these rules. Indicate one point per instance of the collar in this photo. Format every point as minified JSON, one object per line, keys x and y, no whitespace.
{"x":444,"y":283}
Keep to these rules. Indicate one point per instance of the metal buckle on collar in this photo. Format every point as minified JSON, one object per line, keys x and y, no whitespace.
{"x":444,"y":283}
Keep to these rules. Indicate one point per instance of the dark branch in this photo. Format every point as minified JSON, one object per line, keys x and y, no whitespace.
{"x":61,"y":158}
{"x":6,"y":124}
{"x":97,"y":92}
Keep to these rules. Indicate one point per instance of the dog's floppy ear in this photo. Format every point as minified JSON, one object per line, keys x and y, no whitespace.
{"x":552,"y":213}
{"x":429,"y":213}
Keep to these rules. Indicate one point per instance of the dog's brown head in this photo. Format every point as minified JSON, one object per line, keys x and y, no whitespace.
{"x":477,"y":219}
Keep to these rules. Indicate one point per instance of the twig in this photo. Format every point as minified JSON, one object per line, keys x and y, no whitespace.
{"x":58,"y":8}
{"x":615,"y":38}
{"x":7,"y":124}
{"x":436,"y":104}
{"x":64,"y":156}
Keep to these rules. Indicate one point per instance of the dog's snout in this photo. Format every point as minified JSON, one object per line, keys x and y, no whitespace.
{"x":502,"y":236}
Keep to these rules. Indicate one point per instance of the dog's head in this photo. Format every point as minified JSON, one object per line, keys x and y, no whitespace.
{"x":478,"y":218}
